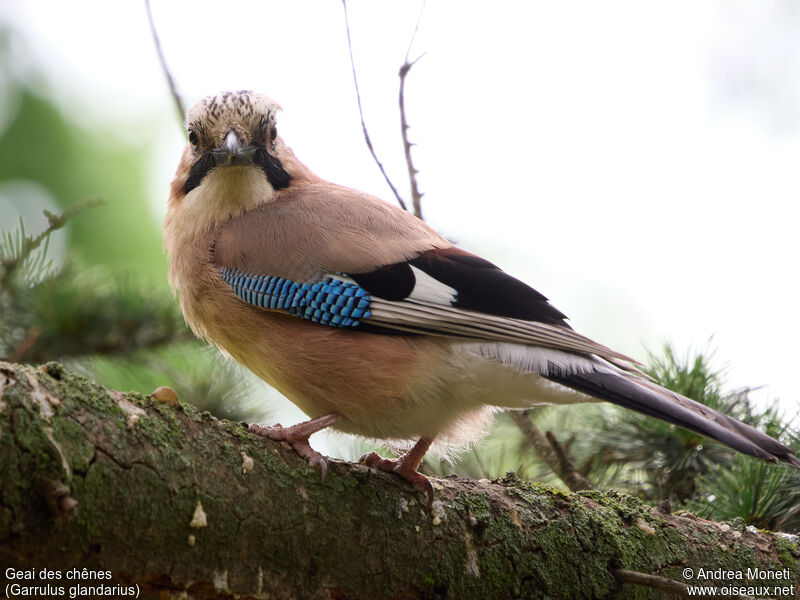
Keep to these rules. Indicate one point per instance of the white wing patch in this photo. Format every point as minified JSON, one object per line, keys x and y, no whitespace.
{"x":428,"y":289}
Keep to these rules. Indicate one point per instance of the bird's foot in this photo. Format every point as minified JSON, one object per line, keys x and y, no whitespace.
{"x":405,"y":466}
{"x":297,"y":437}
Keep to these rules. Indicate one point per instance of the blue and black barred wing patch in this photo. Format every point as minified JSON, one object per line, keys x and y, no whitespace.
{"x":331,"y":301}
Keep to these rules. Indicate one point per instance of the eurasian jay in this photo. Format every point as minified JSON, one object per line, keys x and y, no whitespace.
{"x":368,"y":319}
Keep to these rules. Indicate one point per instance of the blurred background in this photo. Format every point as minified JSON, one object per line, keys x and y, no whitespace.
{"x":635,"y":162}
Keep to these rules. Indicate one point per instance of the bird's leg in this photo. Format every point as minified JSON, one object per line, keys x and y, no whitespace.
{"x":406,"y":466}
{"x":297,"y":437}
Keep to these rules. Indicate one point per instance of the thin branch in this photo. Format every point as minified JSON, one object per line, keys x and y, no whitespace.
{"x":565,"y":463}
{"x":652,"y":581}
{"x":664,"y":584}
{"x":416,"y":195}
{"x":167,"y":73}
{"x":367,"y":139}
{"x":554,"y":456}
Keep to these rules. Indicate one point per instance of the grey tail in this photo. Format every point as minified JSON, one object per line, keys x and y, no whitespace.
{"x":655,"y":401}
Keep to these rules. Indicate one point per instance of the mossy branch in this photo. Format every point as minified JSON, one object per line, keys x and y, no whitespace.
{"x":176,"y":501}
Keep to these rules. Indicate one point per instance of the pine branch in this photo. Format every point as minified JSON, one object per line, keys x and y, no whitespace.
{"x":57,"y":315}
{"x":83,"y":313}
{"x":14,"y":257}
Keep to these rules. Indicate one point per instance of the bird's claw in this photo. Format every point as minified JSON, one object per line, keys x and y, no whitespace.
{"x":399,"y":467}
{"x":319,"y":463}
{"x":371,"y":460}
{"x":425,"y":486}
{"x":297,"y":440}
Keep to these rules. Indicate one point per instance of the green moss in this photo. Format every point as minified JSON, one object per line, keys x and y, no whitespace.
{"x":788,"y":553}
{"x":76,"y":391}
{"x":55,"y":370}
{"x":476,"y":503}
{"x":537,"y":497}
{"x":543,"y":488}
{"x":75,"y":446}
{"x":192,"y":412}
{"x":158,"y":431}
{"x":737,"y":524}
{"x":628,"y":507}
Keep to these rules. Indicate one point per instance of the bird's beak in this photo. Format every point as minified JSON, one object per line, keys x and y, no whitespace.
{"x":233,"y":152}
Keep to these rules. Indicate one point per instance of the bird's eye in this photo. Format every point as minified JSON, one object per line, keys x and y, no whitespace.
{"x":193,"y":139}
{"x":273,"y":133}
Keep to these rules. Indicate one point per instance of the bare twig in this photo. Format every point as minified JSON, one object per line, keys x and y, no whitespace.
{"x":167,"y":73}
{"x":367,"y":139}
{"x":416,"y":195}
{"x":664,"y":584}
{"x":553,"y":455}
{"x":565,"y":463}
{"x":652,"y":581}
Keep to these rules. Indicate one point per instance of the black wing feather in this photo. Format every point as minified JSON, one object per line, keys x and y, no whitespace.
{"x":480,"y":285}
{"x":392,"y":282}
{"x":680,"y":411}
{"x":484,"y":287}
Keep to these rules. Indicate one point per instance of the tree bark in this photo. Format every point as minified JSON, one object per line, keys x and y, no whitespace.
{"x":177,"y":502}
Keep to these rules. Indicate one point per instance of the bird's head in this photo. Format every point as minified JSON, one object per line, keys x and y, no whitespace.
{"x":234,"y":158}
{"x":234,"y":129}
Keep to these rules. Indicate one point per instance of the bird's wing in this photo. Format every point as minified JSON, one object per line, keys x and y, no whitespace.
{"x":341,"y":258}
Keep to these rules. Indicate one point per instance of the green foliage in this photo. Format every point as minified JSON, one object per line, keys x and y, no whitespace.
{"x":88,"y":312}
{"x":57,"y":314}
{"x":198,"y":374}
{"x":766,"y":496}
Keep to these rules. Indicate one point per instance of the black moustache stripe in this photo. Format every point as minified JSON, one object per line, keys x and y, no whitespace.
{"x":276,"y":175}
{"x":198,"y":171}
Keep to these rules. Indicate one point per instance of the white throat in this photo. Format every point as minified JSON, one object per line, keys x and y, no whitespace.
{"x":224,"y":193}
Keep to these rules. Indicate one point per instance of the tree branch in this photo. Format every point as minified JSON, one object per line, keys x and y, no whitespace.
{"x":416,"y":195}
{"x":181,"y":504}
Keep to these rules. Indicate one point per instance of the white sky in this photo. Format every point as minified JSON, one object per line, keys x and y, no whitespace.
{"x":635,"y":162}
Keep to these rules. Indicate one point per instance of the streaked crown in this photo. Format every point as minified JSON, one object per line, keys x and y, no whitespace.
{"x":250,"y":114}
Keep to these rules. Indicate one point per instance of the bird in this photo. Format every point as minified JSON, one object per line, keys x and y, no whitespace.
{"x":366,"y":318}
